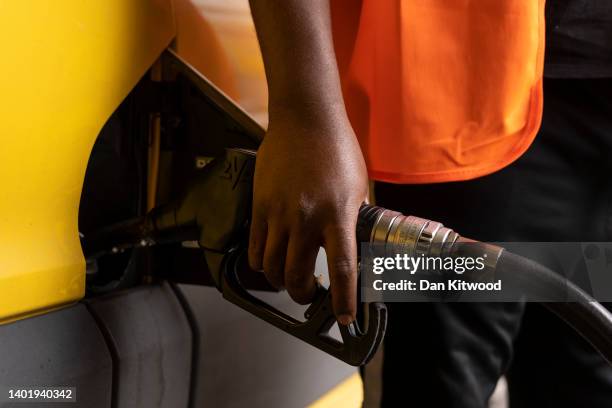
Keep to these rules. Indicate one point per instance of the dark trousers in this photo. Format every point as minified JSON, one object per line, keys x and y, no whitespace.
{"x":451,"y":355}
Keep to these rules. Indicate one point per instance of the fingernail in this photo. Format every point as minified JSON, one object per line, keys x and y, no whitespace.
{"x":345,"y":319}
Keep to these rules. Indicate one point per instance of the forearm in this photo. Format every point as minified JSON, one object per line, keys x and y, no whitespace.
{"x":296,"y":44}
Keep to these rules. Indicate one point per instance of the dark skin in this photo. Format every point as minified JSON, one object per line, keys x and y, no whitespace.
{"x":310,"y":176}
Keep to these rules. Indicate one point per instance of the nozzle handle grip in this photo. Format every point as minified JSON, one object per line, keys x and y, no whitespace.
{"x":356,"y":347}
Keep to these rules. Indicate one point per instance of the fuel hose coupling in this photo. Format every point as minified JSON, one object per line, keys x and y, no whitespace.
{"x":395,"y":233}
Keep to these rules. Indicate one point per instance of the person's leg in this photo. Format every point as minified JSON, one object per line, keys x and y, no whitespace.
{"x":450,"y":354}
{"x":553,"y":366}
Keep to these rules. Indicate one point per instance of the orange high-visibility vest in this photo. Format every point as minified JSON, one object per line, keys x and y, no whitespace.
{"x":440,"y":90}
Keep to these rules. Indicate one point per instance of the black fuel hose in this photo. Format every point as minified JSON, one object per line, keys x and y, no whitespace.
{"x":583,"y":313}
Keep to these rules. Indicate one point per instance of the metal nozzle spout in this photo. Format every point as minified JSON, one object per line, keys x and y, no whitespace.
{"x":414,"y":236}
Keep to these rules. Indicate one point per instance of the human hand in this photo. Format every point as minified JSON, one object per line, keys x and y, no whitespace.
{"x":310,"y":180}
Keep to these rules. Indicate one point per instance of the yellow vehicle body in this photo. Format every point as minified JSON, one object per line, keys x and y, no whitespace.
{"x":66,"y":67}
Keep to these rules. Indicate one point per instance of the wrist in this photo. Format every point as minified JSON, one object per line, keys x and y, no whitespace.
{"x":310,"y":113}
